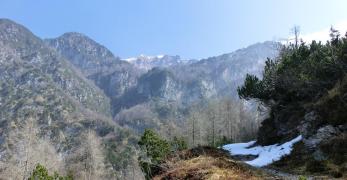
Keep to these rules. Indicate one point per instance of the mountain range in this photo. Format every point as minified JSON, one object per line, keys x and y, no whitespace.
{"x":61,"y":99}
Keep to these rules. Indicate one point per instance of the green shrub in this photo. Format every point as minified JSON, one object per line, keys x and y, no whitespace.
{"x":41,"y":173}
{"x":302,"y":178}
{"x":156,"y":148}
{"x":178,"y":144}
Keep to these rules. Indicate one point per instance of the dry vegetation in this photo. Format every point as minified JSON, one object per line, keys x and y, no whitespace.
{"x":207,"y":163}
{"x":221,"y":121}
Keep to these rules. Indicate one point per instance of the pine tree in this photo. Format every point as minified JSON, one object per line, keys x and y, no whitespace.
{"x":155,"y":147}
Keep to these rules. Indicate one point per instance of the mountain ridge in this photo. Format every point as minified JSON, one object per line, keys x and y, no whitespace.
{"x":200,"y":79}
{"x":73,"y":92}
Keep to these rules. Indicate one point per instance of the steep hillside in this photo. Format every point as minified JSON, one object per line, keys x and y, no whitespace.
{"x":305,"y":88}
{"x":32,"y":51}
{"x":212,"y":77}
{"x":97,"y":63}
{"x":165,"y":95}
{"x":84,"y":53}
{"x":50,"y":113}
{"x":226,"y":72}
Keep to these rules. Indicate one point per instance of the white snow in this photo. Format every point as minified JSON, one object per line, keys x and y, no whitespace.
{"x":266,"y":154}
{"x":143,"y":57}
{"x":160,"y":56}
{"x":130,"y":59}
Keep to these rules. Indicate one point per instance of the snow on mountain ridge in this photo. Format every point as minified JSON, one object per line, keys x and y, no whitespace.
{"x":144,"y":57}
{"x":149,"y":62}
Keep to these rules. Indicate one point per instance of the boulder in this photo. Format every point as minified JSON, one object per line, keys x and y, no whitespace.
{"x":322,"y":134}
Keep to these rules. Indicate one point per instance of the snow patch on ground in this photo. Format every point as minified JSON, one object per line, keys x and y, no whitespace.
{"x":266,"y":154}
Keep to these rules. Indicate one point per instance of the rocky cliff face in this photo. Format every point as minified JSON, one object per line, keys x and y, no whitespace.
{"x":227,"y":72}
{"x":219,"y":75}
{"x":168,"y":78}
{"x":97,"y":63}
{"x":32,"y":52}
{"x":84,"y":53}
{"x":165,"y":93}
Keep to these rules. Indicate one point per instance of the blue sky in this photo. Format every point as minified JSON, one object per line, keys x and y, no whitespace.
{"x":189,"y":28}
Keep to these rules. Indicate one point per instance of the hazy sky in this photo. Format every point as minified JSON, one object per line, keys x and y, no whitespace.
{"x":189,"y":28}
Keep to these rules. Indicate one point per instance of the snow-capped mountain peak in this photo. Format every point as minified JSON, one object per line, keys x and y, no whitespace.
{"x":148,"y":62}
{"x":144,"y":58}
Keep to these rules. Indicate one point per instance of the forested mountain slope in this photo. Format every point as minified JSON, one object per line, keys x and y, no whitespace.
{"x":165,"y":90}
{"x":50,"y":113}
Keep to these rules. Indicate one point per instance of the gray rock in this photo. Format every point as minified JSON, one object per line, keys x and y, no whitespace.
{"x":305,"y":128}
{"x":322,"y":134}
{"x":343,"y":127}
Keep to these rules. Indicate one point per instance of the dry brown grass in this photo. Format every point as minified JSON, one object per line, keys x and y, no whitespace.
{"x":211,"y":164}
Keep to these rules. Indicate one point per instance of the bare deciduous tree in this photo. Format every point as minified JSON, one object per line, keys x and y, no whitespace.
{"x":296,"y":33}
{"x":89,"y":159}
{"x":221,"y":119}
{"x":27,"y":150}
